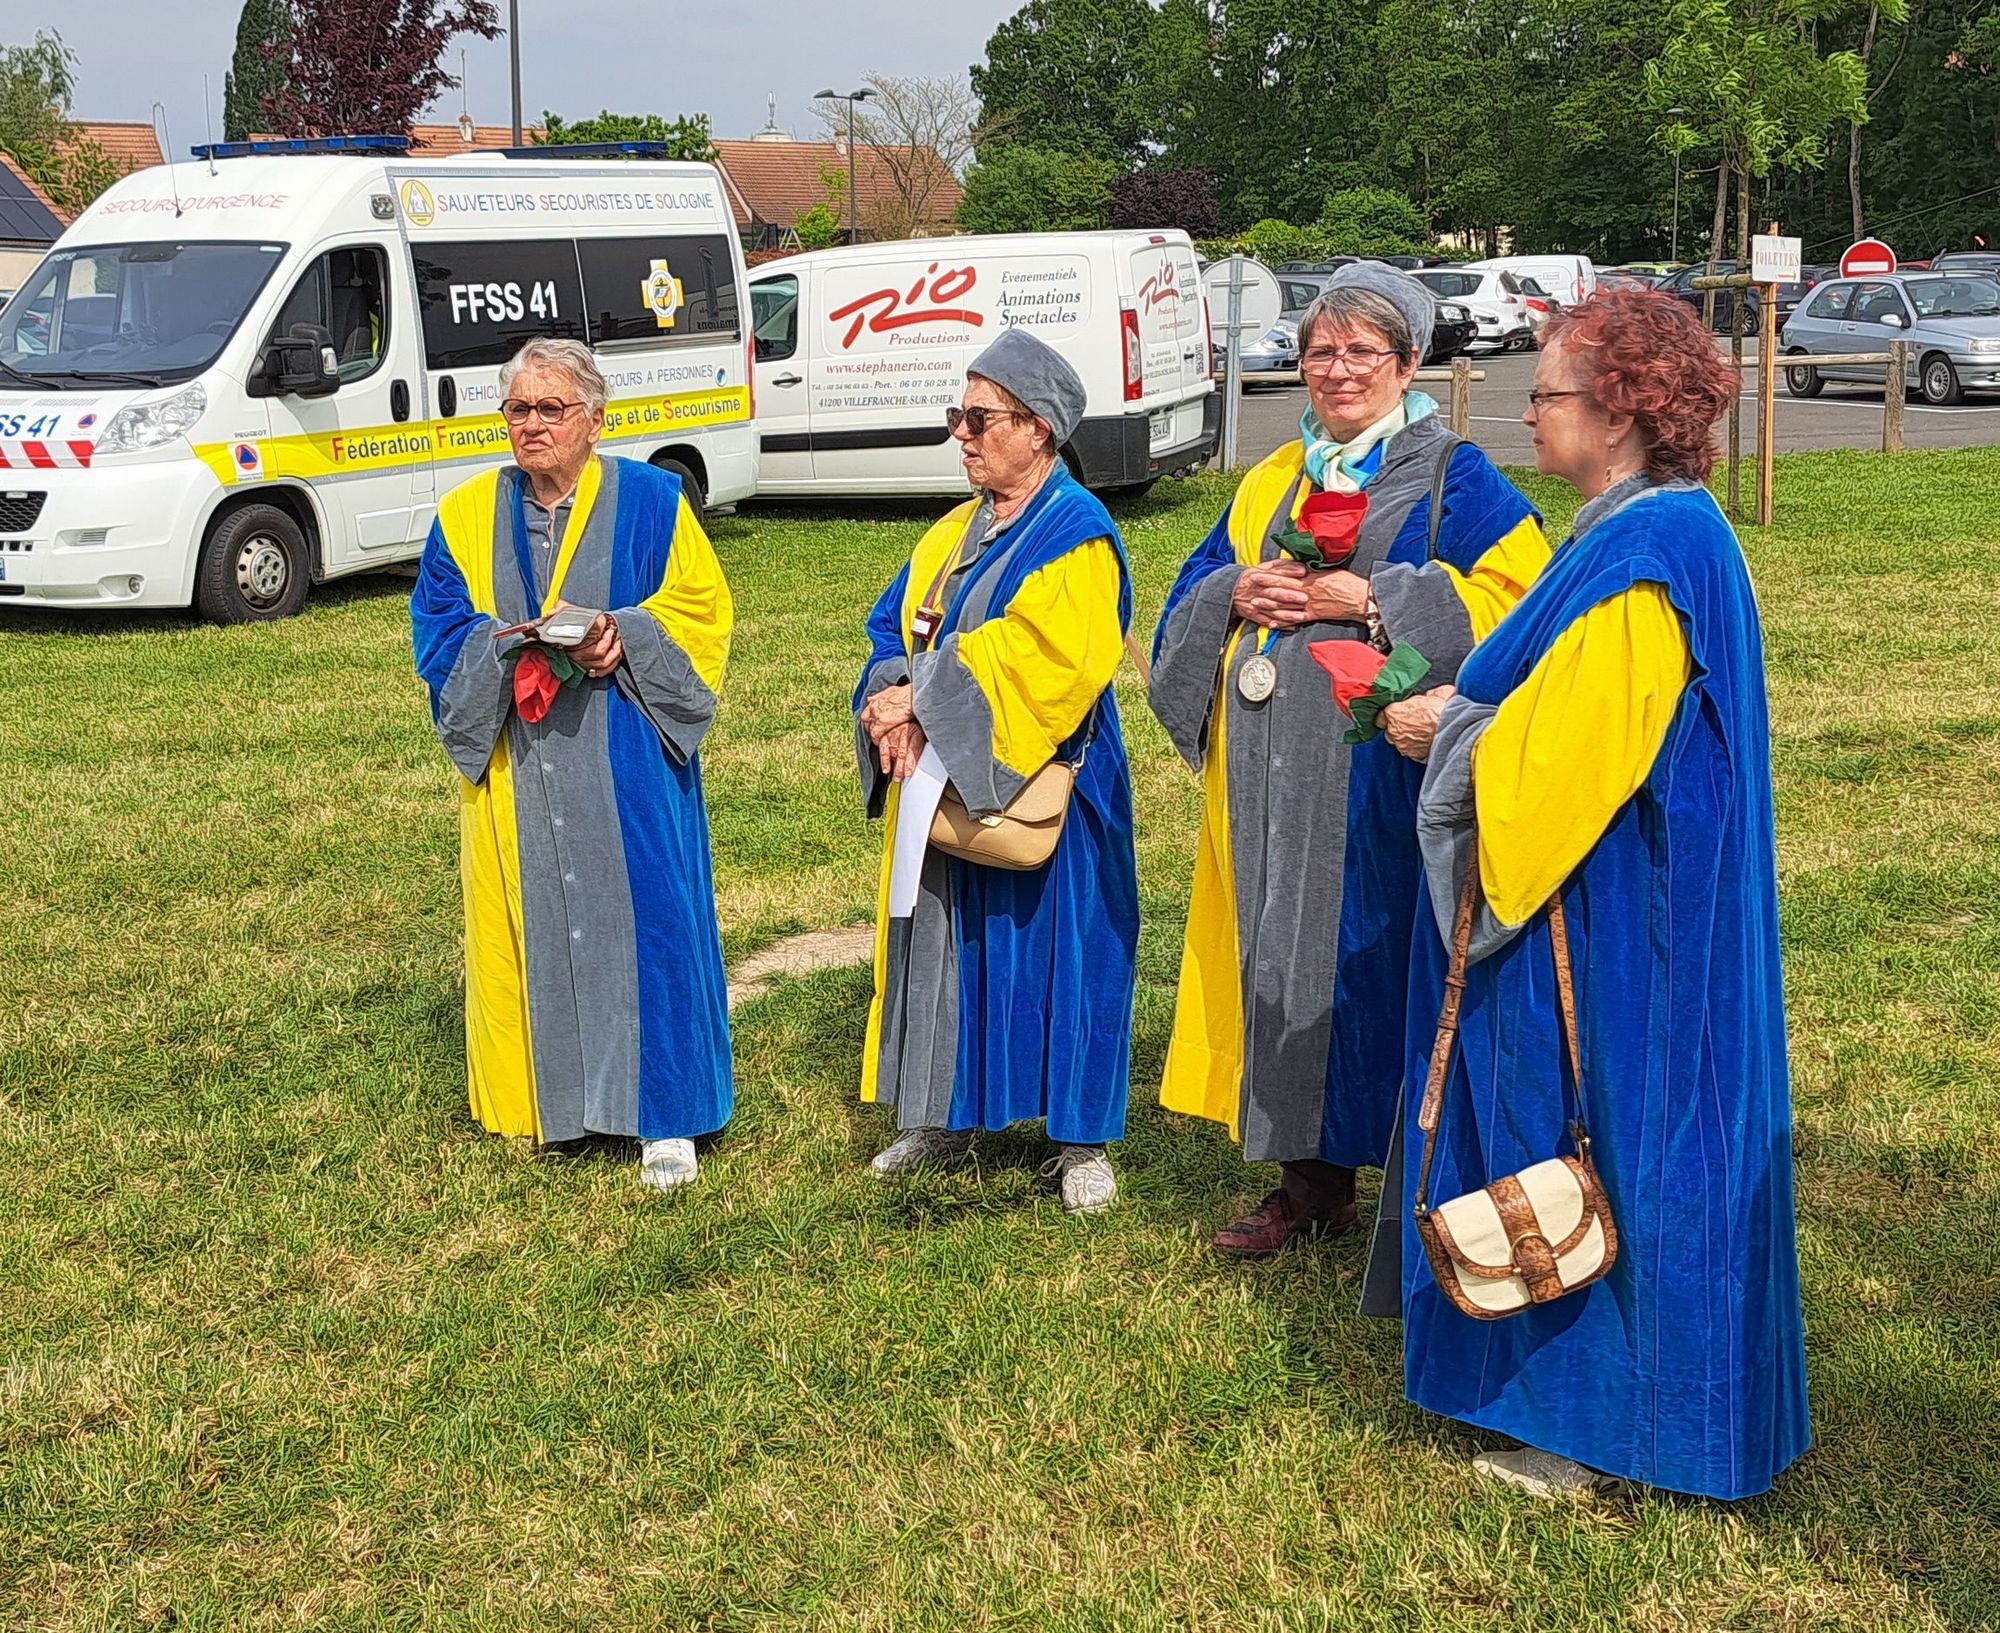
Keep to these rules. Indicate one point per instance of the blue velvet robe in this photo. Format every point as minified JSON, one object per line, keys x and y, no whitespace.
{"x":1685,"y":1367}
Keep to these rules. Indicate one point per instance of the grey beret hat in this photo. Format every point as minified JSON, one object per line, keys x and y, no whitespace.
{"x":1037,"y":373}
{"x":1417,"y":304}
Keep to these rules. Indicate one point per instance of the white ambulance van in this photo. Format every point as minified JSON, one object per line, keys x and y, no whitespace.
{"x":235,"y":378}
{"x":860,"y":350}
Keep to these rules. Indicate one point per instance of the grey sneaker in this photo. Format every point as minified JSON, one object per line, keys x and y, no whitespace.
{"x":1088,"y":1184}
{"x":666,"y":1164}
{"x":923,"y":1148}
{"x":1544,"y":1474}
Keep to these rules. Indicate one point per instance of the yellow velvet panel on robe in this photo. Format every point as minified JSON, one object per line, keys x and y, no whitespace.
{"x":694,"y":606}
{"x":1501,"y":576}
{"x":1203,"y":1076}
{"x":1573,"y":742}
{"x":1040,"y":665}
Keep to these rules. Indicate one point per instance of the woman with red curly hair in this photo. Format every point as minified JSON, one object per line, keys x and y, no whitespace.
{"x":1608,"y":749}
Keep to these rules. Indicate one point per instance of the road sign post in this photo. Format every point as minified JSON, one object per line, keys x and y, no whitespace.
{"x":1251,"y":300}
{"x":1232,"y":367}
{"x":1773,"y":261}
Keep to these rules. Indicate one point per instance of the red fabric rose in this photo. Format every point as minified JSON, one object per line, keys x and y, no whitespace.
{"x":535,"y":684}
{"x":1334,"y":522}
{"x":1353,"y":666}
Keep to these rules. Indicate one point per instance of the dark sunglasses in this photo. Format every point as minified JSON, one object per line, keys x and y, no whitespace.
{"x":976,"y":420}
{"x":550,"y":410}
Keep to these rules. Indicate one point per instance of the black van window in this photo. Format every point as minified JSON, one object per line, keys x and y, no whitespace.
{"x":344,"y":292}
{"x":482,"y":302}
{"x":774,"y":311}
{"x":659,"y":287}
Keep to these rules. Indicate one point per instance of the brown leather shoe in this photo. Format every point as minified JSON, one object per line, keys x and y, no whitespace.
{"x":1277,"y":1225}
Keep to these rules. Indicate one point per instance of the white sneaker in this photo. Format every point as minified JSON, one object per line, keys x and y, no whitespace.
{"x":1544,"y":1474}
{"x":923,"y":1148}
{"x":665,"y":1164}
{"x":1088,"y":1184}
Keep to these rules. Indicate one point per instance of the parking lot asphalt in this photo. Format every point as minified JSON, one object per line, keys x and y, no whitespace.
{"x":1843,"y":417}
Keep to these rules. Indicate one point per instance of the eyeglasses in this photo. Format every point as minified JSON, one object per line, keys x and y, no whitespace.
{"x":1539,"y":400}
{"x":550,"y":410}
{"x":1351,"y":359}
{"x":976,"y":420}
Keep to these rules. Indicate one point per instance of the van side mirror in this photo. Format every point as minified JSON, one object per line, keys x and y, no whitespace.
{"x":302,"y":364}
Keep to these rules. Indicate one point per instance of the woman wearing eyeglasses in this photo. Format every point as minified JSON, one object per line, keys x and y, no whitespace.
{"x":571,"y":622}
{"x":1003,"y":994}
{"x":1610,"y":748}
{"x":1290,"y":1019}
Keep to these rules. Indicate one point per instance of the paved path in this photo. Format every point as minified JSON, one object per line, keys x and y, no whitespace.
{"x":1844,"y":417}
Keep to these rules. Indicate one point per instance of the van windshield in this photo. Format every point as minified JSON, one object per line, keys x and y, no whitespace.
{"x":150,"y":314}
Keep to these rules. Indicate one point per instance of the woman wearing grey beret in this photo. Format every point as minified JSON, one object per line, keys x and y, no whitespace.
{"x":1376,"y":526}
{"x":1003,"y":988}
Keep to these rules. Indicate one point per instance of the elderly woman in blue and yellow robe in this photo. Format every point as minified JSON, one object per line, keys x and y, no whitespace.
{"x":594,"y":992}
{"x":1610,"y":745}
{"x":1290,"y":1019}
{"x":1005,"y":996}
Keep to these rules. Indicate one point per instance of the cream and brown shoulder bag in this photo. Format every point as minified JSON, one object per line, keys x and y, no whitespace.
{"x":1534,"y":1236}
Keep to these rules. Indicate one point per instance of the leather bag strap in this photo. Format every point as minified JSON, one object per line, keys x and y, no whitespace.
{"x":1438,"y":477}
{"x":1431,"y":1111}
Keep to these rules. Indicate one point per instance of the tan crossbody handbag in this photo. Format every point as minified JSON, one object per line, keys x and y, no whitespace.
{"x":1534,"y":1236}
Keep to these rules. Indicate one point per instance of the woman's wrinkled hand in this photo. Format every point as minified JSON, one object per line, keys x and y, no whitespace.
{"x":601,"y":650}
{"x":900,"y":748}
{"x":1411,"y":726}
{"x":888,"y":709}
{"x":1272,"y":596}
{"x":1339,"y":597}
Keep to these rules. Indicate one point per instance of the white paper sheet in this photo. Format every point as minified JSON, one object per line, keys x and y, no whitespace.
{"x":916,"y":804}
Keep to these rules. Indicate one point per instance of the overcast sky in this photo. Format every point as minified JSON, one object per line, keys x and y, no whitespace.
{"x":722,"y":57}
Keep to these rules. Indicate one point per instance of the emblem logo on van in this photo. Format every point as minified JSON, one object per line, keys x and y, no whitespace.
{"x":663,"y":294}
{"x":1160,"y":288}
{"x":898,"y":309}
{"x":418,"y":205}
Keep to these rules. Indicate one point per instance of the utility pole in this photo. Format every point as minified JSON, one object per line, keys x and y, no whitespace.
{"x":1674,"y":232}
{"x":514,"y":57}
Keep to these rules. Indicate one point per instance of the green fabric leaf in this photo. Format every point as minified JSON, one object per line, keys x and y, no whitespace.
{"x":1300,"y":546}
{"x":567,"y":669}
{"x":1401,"y":678}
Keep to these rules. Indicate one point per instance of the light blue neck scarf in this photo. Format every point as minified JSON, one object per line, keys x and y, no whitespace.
{"x":1348,"y":467}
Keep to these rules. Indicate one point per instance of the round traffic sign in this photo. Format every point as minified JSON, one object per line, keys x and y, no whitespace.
{"x":1871,"y":258}
{"x":1260,"y":302}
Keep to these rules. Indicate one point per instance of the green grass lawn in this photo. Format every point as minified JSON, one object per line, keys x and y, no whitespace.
{"x":287,"y":1342}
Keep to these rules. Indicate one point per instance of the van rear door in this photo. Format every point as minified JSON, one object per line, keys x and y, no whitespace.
{"x":1173,"y":339}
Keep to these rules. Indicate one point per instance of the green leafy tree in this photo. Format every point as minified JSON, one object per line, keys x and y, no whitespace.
{"x":37,"y":82}
{"x":686,"y":138}
{"x":1273,"y":241}
{"x":1070,"y":76}
{"x":1373,"y":221}
{"x":256,"y":77}
{"x":1030,"y":188}
{"x":819,"y":228}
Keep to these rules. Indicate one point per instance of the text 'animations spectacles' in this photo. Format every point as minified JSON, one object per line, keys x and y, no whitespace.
{"x":975,"y":420}
{"x":1539,"y":400}
{"x":1352,"y":359}
{"x":550,"y":410}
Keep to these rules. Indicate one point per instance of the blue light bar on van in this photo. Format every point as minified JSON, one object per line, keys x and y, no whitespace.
{"x":590,"y":150}
{"x":265,"y":146}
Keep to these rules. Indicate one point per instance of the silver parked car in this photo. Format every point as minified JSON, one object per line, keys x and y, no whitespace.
{"x":1952,"y":322}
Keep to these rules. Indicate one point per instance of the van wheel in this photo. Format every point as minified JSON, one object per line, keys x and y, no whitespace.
{"x":1940,"y":382}
{"x":1802,"y":380}
{"x":690,"y":483}
{"x":253,"y":569}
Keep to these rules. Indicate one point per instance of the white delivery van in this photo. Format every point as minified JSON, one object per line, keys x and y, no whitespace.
{"x":1571,"y":279}
{"x":860,"y":350}
{"x":234,"y":378}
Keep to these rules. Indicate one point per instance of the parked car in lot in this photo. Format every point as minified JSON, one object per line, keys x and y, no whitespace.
{"x":1952,"y":322}
{"x":1744,"y":315}
{"x":1274,"y":355}
{"x":1500,"y":315}
{"x":1964,"y":260}
{"x":1607,"y":279}
{"x":1456,"y":330}
{"x":1567,"y":278}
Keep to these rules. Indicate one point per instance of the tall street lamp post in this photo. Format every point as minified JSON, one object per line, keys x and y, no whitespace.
{"x":853,"y":200}
{"x":514,"y":59}
{"x":1674,"y":236}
